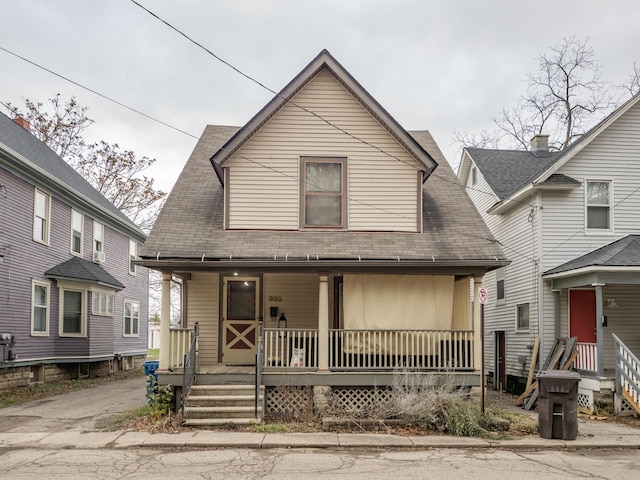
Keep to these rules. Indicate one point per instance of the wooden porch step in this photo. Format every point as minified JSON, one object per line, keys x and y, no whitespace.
{"x":215,"y":405}
{"x":222,"y":400}
{"x":216,"y":390}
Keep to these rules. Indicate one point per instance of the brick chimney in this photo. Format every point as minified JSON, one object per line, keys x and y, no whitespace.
{"x":23,"y":122}
{"x":540,"y":144}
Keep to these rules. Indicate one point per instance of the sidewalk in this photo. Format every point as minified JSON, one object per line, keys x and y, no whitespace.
{"x":591,"y":435}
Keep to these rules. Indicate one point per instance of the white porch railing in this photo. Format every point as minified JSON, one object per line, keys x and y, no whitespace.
{"x":391,"y":349}
{"x":288,"y":347}
{"x":587,"y":358}
{"x":627,"y":373}
{"x":179,"y":343}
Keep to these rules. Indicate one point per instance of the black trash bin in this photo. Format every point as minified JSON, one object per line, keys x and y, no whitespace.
{"x":558,"y":404}
{"x":150,"y":367}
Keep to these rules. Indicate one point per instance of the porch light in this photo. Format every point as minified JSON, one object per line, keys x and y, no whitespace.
{"x":282,"y":321}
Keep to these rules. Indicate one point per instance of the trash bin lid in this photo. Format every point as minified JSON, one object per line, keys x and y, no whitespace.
{"x":558,"y":375}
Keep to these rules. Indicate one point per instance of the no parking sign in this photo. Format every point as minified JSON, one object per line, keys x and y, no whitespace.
{"x":482,"y":295}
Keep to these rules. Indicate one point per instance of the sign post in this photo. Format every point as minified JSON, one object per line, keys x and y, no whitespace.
{"x":482,"y":298}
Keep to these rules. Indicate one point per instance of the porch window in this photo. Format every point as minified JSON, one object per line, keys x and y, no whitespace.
{"x":131,"y":318}
{"x":323,"y":192}
{"x":73,"y":313}
{"x":500,"y":286}
{"x":522,"y":317}
{"x":598,"y":204}
{"x":76,"y":232}
{"x":40,"y":308}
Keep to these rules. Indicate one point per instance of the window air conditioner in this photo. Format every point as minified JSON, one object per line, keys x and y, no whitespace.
{"x":98,"y":257}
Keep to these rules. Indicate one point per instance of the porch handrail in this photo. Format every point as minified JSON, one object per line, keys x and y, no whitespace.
{"x":627,"y":371}
{"x":290,"y":347}
{"x":351,"y":349}
{"x":587,"y":358}
{"x":190,"y":364}
{"x":259,"y":360}
{"x":180,"y":340}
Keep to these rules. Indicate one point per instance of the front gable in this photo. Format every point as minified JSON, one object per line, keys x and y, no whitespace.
{"x":263,"y":179}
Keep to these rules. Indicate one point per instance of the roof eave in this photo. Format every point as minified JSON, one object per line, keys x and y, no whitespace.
{"x":590,"y":269}
{"x":117,"y":288}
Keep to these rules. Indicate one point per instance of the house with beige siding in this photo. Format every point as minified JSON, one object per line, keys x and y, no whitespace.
{"x":320,"y":246}
{"x":72,"y":301}
{"x":569,"y":222}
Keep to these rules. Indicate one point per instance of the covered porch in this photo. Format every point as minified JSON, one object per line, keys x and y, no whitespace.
{"x":597,"y":300}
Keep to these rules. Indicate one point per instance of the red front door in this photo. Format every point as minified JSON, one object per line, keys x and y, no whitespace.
{"x":582,"y":315}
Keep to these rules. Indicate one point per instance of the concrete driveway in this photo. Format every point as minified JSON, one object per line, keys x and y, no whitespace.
{"x":82,"y":410}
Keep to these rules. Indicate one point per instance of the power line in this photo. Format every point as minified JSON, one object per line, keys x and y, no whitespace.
{"x":98,"y":93}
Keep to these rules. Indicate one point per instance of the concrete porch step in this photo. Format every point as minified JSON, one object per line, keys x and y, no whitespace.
{"x":222,"y":412}
{"x":219,"y":422}
{"x":214,"y":390}
{"x":222,"y":400}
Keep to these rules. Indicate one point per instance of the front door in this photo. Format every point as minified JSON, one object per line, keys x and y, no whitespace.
{"x":582,"y":315}
{"x":241,"y":306}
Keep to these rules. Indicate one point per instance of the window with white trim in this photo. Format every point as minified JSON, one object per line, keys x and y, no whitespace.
{"x":131,"y":318}
{"x":40,"y":308}
{"x":133,"y":255}
{"x":323,"y":187}
{"x":500,"y":286}
{"x":102,"y":303}
{"x":41,"y":217}
{"x":98,"y":237}
{"x":598,"y":205}
{"x":77,"y":220}
{"x":474,"y":176}
{"x":72,"y":313}
{"x":522,"y":317}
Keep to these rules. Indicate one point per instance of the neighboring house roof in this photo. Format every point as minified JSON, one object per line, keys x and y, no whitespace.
{"x":34,"y":158}
{"x":512,"y":173}
{"x":324,"y":60}
{"x":80,"y":270}
{"x":621,"y":253}
{"x":506,"y":171}
{"x":190,"y":225}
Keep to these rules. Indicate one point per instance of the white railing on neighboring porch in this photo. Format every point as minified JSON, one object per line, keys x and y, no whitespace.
{"x":627,"y":373}
{"x":391,"y":349}
{"x":179,"y":343}
{"x":288,"y":347}
{"x":587,"y":358}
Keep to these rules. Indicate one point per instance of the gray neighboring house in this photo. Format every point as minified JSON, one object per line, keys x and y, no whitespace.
{"x":349,"y":239}
{"x":73,"y":303}
{"x":569,"y":222}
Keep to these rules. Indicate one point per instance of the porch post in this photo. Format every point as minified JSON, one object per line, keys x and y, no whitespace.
{"x":323,"y":322}
{"x":599,"y":332}
{"x":165,"y":323}
{"x":477,"y":325}
{"x":556,"y":313}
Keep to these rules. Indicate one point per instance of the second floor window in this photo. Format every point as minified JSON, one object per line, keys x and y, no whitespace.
{"x":500,"y":286}
{"x":98,"y":237}
{"x":41,"y":216}
{"x":76,"y":232}
{"x":133,"y":255}
{"x":323,"y":192}
{"x":598,"y":205}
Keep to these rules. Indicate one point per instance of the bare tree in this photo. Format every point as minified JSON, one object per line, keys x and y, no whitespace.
{"x":632,"y":86}
{"x":116,"y":173}
{"x":565,"y":96}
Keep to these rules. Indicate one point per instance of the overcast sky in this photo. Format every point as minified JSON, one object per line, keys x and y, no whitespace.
{"x":438,"y":65}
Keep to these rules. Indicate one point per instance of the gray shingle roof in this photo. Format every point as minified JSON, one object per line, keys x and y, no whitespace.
{"x":190,"y":224}
{"x":506,"y":171}
{"x":82,"y":270}
{"x":37,"y":152}
{"x":621,"y":253}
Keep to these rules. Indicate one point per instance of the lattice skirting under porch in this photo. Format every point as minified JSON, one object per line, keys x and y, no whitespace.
{"x":623,"y":407}
{"x":288,"y":400}
{"x":585,"y":399}
{"x":359,"y":398}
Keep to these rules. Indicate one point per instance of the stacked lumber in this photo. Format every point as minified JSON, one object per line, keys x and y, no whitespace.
{"x":561,"y":357}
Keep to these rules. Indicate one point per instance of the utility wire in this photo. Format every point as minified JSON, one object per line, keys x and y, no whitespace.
{"x":98,"y":93}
